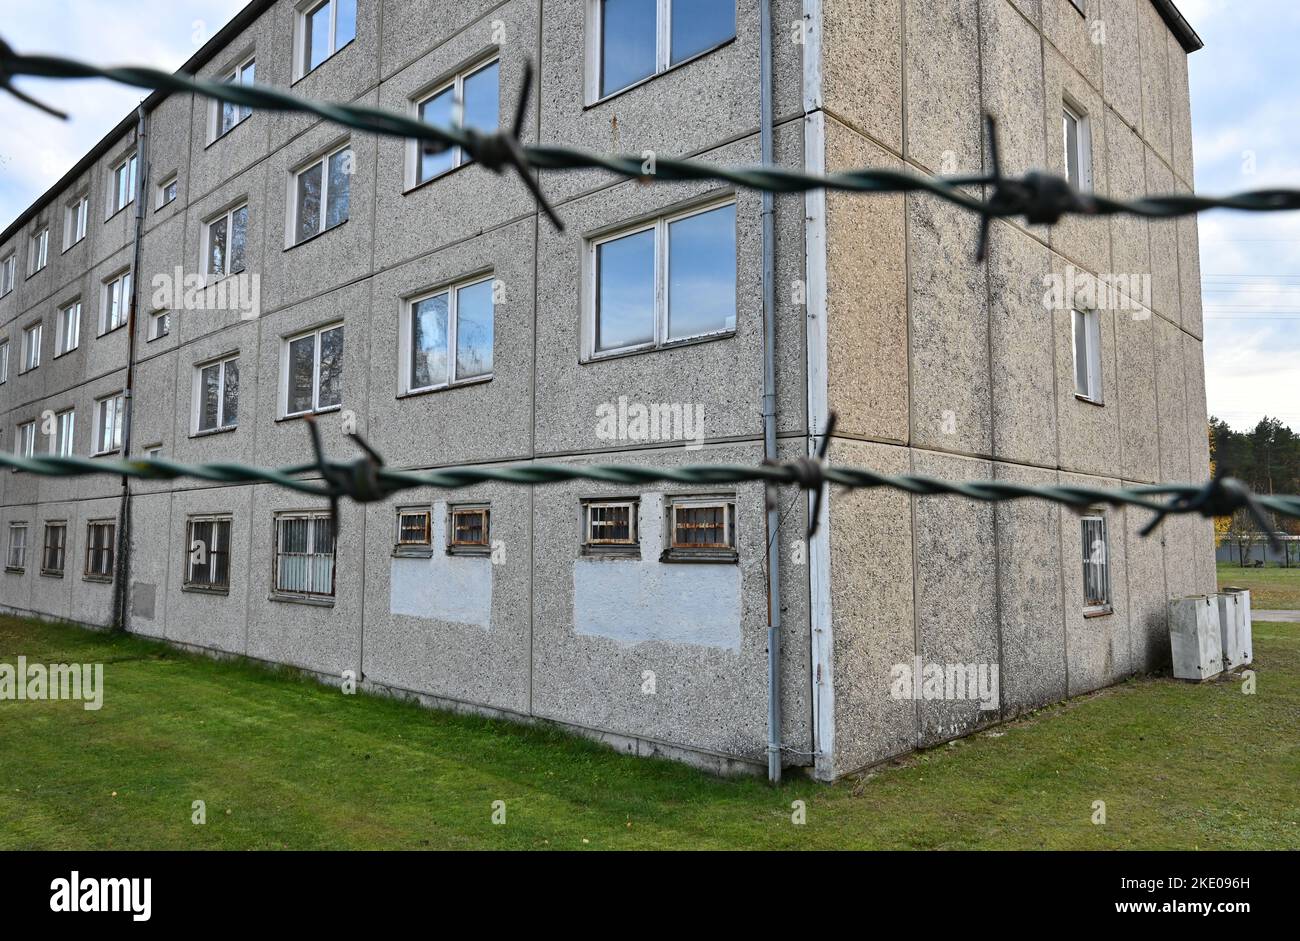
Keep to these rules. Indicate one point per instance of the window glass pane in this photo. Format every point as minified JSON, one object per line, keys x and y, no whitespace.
{"x":1080,"y":353}
{"x":1071,"y":148}
{"x":474,"y":330}
{"x":628,"y":41}
{"x":309,"y":182}
{"x":229,"y":116}
{"x":482,"y":98}
{"x":699,"y":25}
{"x":702,"y":274}
{"x":429,"y":342}
{"x":118,"y":405}
{"x":302,"y":362}
{"x":217,"y":247}
{"x":210,"y":386}
{"x":340,"y":166}
{"x":238,"y":239}
{"x":437,"y":110}
{"x":331,"y":368}
{"x":318,"y":36}
{"x":345,"y":28}
{"x":625,"y":297}
{"x":230,"y":395}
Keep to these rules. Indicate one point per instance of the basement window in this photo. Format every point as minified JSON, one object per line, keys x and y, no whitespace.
{"x":1086,"y":331}
{"x":16,"y":560}
{"x":414,"y":537}
{"x":638,"y":39}
{"x":1096,"y":565}
{"x":701,"y":529}
{"x":100,"y":535}
{"x":55,"y":551}
{"x":304,"y":555}
{"x":469,"y":531}
{"x":610,"y":528}
{"x":207,"y":567}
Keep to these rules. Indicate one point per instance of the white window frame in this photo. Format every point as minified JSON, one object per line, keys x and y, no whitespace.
{"x":1083,"y":135}
{"x":107,"y":322}
{"x":285,"y":343}
{"x":131,"y":166}
{"x":205,"y":241}
{"x":595,"y":52}
{"x":63,"y":439}
{"x":75,"y":219}
{"x":8,"y":273}
{"x":67,"y":330}
{"x":405,"y":337}
{"x":25,"y":440}
{"x":40,"y":251}
{"x":304,"y":10}
{"x":196,"y":411}
{"x":231,"y":76}
{"x":312,"y":591}
{"x":1098,"y":557}
{"x":161,"y":192}
{"x":4,"y":361}
{"x":114,"y":427}
{"x":291,"y":232}
{"x":591,"y":286}
{"x":156,"y":318}
{"x":590,"y":543}
{"x":456,"y":82}
{"x":16,"y":558}
{"x":1091,"y":338}
{"x":33,"y":334}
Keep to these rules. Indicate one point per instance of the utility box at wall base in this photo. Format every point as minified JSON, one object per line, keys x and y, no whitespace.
{"x":1234,"y":625}
{"x":1195,"y":637}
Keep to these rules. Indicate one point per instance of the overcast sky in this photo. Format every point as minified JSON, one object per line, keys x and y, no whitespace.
{"x":1245,"y":113}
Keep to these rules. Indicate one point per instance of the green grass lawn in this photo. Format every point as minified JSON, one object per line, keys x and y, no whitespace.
{"x":1271,"y":589}
{"x":283,"y":762}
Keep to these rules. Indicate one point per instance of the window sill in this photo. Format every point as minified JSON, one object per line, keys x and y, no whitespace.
{"x":36,"y":272}
{"x":72,"y":246}
{"x":106,"y":453}
{"x":201,"y":590}
{"x":311,"y":238}
{"x":670,"y":345}
{"x":118,"y":212}
{"x":50,"y":574}
{"x":615,"y":554}
{"x":434,"y":390}
{"x":161,"y":336}
{"x":1098,"y":612}
{"x":470,"y":552}
{"x":99,"y":579}
{"x":1089,"y":401}
{"x":224,"y":134}
{"x":158,"y":209}
{"x":698,"y":556}
{"x":440,"y":176}
{"x":214,"y":431}
{"x":412,"y":552}
{"x":309,"y":600}
{"x":14,"y":570}
{"x":105,"y":333}
{"x":299,"y":416}
{"x":66,"y":352}
{"x":650,"y":78}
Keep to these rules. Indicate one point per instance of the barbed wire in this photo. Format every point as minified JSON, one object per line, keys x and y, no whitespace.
{"x":1038,"y":198}
{"x":365,"y":479}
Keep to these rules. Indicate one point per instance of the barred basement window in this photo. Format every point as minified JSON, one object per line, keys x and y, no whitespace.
{"x":610,"y":526}
{"x":16,"y":561}
{"x":100,"y":535}
{"x":701,"y":529}
{"x":469,"y":530}
{"x":55,"y":554}
{"x":414,"y":532}
{"x":304,"y":554}
{"x":208,"y":564}
{"x":1096,"y":565}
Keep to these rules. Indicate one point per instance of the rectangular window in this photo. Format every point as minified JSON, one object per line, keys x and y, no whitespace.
{"x":4,"y":361}
{"x":225,"y":242}
{"x":54,"y":554}
{"x":1087,"y":355}
{"x":324,"y":29}
{"x":670,"y":280}
{"x":8,"y":268}
{"x":641,"y":38}
{"x":414,"y":529}
{"x":122,"y":191}
{"x":65,"y":427}
{"x":701,"y":529}
{"x":448,"y":338}
{"x":1078,"y":160}
{"x":32,"y":347}
{"x":40,"y":251}
{"x":100,"y":536}
{"x":153,"y":452}
{"x":208,"y":543}
{"x":160,"y":324}
{"x":67,"y":331}
{"x":312,"y":366}
{"x":321,"y":193}
{"x":1096,"y":564}
{"x":26,"y":440}
{"x":469,"y":530}
{"x":108,"y":423}
{"x":16,"y":560}
{"x":610,"y":526}
{"x":74,"y":225}
{"x":227,"y":115}
{"x":167,"y":191}
{"x":216,"y":395}
{"x":117,"y":303}
{"x":304,"y":554}
{"x":470,"y":99}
